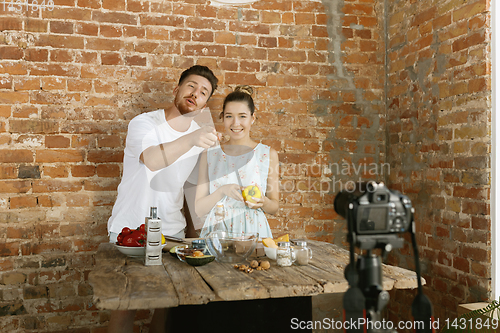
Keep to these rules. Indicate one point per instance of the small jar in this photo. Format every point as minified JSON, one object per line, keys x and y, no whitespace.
{"x":302,"y":253}
{"x":284,"y":254}
{"x":199,"y":244}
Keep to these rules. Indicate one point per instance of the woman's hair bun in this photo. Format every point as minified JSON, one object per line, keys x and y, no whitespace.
{"x":244,"y":89}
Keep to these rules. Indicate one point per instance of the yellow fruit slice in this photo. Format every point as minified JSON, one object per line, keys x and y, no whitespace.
{"x":163,"y":241}
{"x":283,"y":238}
{"x":269,"y":242}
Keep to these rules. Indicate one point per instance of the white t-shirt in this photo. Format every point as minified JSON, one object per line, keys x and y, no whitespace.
{"x":141,"y":188}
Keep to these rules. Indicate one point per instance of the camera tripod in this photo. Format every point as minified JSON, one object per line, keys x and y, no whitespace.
{"x":365,"y":299}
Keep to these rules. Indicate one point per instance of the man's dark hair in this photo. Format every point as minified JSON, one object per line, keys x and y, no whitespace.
{"x":201,"y":71}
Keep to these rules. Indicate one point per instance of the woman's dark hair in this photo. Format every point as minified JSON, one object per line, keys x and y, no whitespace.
{"x":240,"y":94}
{"x":201,"y":71}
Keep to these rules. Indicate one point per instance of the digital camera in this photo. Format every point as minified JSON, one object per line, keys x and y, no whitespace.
{"x":374,"y":209}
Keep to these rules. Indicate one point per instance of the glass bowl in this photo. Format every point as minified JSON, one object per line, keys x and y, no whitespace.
{"x":231,"y":247}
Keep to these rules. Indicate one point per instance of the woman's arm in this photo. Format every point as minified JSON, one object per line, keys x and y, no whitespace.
{"x":204,"y":200}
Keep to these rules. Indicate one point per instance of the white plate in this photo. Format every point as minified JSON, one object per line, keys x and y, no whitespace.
{"x":133,"y":251}
{"x":270,"y":252}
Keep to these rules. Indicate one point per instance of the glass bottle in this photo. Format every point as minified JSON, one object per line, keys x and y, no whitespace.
{"x":220,"y":224}
{"x":153,"y":246}
{"x":284,"y":254}
{"x":302,"y":253}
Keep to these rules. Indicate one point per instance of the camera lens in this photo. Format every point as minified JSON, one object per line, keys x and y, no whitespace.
{"x":340,"y":203}
{"x":371,"y":186}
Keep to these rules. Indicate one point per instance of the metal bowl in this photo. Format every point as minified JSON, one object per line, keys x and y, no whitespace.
{"x":231,"y":247}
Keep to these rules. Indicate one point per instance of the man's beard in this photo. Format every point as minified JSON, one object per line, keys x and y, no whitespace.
{"x":182,"y":105}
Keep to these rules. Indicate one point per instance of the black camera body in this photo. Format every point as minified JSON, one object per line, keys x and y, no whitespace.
{"x":374,"y":211}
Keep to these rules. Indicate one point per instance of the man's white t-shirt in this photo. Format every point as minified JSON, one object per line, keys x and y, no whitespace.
{"x":141,"y":188}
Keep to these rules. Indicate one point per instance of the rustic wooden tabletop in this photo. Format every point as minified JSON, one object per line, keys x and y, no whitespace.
{"x":122,"y":282}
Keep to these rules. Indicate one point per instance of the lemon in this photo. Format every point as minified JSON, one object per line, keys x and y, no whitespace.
{"x":163,"y":241}
{"x":251,"y":191}
{"x":283,"y":238}
{"x":269,"y":242}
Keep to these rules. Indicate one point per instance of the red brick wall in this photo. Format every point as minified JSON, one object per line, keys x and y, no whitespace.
{"x":439,"y":143}
{"x":72,"y":76}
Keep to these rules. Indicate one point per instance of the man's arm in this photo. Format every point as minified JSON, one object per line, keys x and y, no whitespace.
{"x":190,"y":230}
{"x":165,"y":154}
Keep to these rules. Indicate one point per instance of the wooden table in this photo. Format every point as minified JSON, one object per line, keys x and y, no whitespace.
{"x":121,"y":282}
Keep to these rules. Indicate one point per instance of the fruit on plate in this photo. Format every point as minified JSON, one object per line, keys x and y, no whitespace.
{"x":132,"y":238}
{"x":199,"y":261}
{"x":198,"y":254}
{"x":283,"y":238}
{"x":273,"y":243}
{"x":269,"y":242}
{"x":251,"y":191}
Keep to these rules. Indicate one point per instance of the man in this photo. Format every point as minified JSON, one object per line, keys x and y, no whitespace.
{"x":161,"y":151}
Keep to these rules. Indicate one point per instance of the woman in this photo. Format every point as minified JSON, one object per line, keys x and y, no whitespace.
{"x":226,"y":170}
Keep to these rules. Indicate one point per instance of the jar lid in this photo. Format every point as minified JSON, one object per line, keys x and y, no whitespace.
{"x":301,"y":243}
{"x":283,"y":244}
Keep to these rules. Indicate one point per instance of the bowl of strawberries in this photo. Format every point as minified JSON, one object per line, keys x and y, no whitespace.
{"x":132,"y":242}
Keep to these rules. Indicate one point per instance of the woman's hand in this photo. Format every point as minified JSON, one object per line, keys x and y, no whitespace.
{"x":232,"y":191}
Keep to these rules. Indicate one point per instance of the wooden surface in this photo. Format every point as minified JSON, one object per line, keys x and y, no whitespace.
{"x":121,"y":282}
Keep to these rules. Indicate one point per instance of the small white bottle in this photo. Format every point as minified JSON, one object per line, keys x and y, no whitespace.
{"x":220,"y":224}
{"x":303,"y":253}
{"x":284,"y":254}
{"x":153,"y":240}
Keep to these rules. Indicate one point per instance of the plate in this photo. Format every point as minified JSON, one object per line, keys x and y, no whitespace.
{"x":133,"y":251}
{"x":270,"y":252}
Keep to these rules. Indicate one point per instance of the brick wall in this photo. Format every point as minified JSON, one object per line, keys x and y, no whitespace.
{"x":73,"y":75}
{"x":439,"y":144}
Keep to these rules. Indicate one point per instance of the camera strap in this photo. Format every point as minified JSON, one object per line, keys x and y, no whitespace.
{"x":421,"y":308}
{"x":354,"y":301}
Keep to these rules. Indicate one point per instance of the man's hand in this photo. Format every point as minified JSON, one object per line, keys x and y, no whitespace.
{"x":204,"y":137}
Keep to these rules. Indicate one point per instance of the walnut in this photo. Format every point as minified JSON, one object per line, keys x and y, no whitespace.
{"x":265,"y":264}
{"x":254,"y":264}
